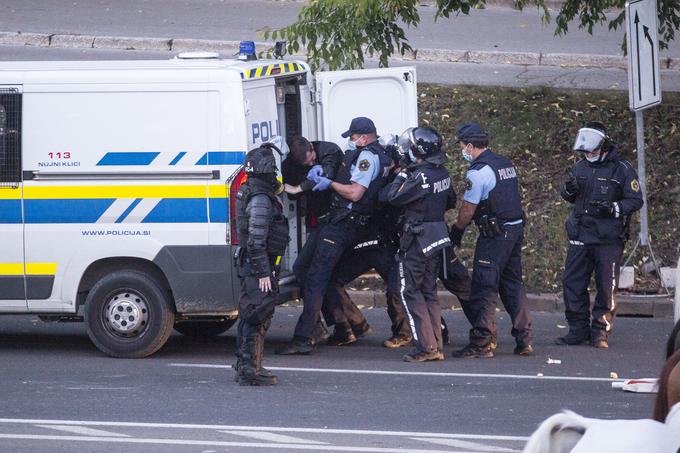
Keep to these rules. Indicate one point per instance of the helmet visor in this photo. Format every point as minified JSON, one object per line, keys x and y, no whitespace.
{"x":405,"y":141}
{"x":588,"y":140}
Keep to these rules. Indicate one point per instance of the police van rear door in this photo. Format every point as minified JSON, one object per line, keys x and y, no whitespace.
{"x":388,"y":96}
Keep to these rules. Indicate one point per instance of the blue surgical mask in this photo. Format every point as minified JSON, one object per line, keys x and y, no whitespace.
{"x":351,"y":145}
{"x":466,"y":156}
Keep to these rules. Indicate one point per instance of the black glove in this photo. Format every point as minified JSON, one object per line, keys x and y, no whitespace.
{"x":603,"y":208}
{"x":571,"y":184}
{"x":456,"y":235}
{"x":404,"y":162}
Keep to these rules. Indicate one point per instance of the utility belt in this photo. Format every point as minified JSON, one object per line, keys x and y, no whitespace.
{"x":489,"y":227}
{"x":241,"y":259}
{"x":342,"y":214}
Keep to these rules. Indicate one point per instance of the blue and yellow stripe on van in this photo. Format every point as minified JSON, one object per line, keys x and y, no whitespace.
{"x":146,"y":158}
{"x":272,"y":69}
{"x":31,"y":280}
{"x":95,"y":204}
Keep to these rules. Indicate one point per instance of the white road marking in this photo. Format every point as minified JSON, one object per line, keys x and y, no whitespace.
{"x":411,"y":373}
{"x":83,"y":430}
{"x":261,"y":429}
{"x":218,"y":443}
{"x":465,"y":444}
{"x":271,"y":437}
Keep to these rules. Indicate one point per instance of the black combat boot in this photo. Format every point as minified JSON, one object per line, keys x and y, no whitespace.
{"x":249,"y":372}
{"x":342,"y":335}
{"x":574,"y":337}
{"x":298,"y":345}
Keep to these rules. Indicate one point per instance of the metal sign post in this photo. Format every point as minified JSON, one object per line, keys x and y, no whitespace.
{"x":644,"y":91}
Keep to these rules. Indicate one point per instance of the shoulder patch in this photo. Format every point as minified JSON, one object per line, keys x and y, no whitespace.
{"x":468,"y":184}
{"x":635,"y":185}
{"x":364,"y":165}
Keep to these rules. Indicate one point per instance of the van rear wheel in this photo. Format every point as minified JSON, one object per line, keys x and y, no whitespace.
{"x":204,"y":329}
{"x":128,"y":314}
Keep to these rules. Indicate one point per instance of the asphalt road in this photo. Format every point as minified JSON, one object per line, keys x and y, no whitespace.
{"x":59,"y":393}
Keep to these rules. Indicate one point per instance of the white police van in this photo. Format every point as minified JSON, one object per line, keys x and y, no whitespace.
{"x":118,"y":182}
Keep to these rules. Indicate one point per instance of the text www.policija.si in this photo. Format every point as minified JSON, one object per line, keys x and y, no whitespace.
{"x":116,"y":233}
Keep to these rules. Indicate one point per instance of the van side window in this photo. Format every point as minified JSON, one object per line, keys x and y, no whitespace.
{"x":10,"y":138}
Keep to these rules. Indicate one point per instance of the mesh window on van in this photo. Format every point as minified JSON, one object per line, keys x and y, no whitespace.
{"x":10,"y":138}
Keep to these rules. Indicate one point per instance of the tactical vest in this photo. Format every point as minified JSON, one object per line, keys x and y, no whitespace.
{"x":436,"y":181}
{"x":366,"y":205}
{"x":597,"y":183}
{"x":504,"y":200}
{"x":278,"y":235}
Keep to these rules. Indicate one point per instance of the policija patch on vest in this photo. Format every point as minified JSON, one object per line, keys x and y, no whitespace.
{"x":635,"y":185}
{"x":364,"y":165}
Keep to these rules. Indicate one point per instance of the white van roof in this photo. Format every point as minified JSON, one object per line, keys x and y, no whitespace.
{"x":246,"y":69}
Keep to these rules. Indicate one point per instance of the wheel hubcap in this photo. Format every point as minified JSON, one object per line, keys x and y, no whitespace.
{"x":127,"y":314}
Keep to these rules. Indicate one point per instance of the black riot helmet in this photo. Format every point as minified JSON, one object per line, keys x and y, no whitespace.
{"x":261,"y":161}
{"x":422,"y":142}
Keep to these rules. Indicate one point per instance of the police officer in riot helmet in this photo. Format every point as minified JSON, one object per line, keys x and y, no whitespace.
{"x":605,"y":192}
{"x":492,"y":200}
{"x":424,"y":192}
{"x":263,"y":235}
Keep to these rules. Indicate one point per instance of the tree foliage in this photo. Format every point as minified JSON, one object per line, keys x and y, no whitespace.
{"x":339,"y":33}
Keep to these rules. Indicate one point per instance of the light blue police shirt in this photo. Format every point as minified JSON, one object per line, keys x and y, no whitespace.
{"x":365,"y":169}
{"x":482,"y":181}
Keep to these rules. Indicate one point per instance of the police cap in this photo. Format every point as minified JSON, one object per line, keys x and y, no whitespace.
{"x":471,"y":131}
{"x":360,"y":125}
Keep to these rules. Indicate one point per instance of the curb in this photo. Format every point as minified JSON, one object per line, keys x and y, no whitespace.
{"x":231,"y":47}
{"x":627,"y":305}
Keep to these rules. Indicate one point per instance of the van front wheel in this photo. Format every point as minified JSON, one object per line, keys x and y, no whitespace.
{"x":128,"y":314}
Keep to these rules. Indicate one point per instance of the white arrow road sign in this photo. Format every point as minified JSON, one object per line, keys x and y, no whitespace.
{"x":644,"y":88}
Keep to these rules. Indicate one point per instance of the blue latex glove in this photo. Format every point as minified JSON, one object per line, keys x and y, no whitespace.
{"x":314,"y":173}
{"x":322,"y":183}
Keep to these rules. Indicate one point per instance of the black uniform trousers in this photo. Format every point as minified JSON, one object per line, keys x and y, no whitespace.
{"x":497,"y":270}
{"x":355,"y":263}
{"x":331,"y":241}
{"x":582,"y":260}
{"x":418,"y":289}
{"x":256,"y":308}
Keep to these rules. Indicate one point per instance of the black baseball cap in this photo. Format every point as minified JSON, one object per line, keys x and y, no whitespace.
{"x":360,"y":125}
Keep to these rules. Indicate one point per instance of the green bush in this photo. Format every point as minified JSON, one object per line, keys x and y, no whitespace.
{"x":535,"y":127}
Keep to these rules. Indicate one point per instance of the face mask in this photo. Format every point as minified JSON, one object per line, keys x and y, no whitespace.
{"x":593,"y":158}
{"x":466,"y":156}
{"x":351,"y":145}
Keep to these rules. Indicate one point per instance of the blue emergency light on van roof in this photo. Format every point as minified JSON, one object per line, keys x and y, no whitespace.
{"x":246,"y":50}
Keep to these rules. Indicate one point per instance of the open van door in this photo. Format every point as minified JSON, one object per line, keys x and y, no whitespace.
{"x":388,"y":96}
{"x":12,"y":267}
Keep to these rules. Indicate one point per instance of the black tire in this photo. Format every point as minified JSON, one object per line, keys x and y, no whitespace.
{"x":204,"y":329}
{"x":128,"y":314}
